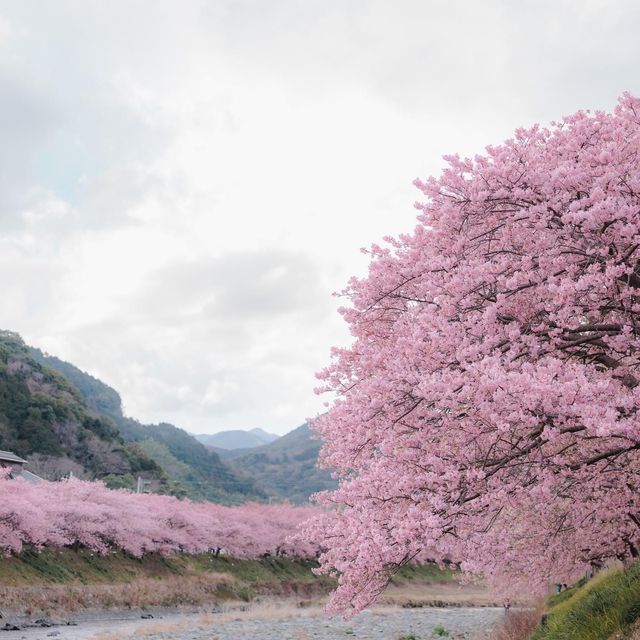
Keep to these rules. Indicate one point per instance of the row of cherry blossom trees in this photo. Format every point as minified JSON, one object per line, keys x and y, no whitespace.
{"x":489,"y":408}
{"x":74,"y":512}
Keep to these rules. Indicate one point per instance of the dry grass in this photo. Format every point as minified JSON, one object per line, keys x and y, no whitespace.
{"x":518,"y":625}
{"x":54,"y":585}
{"x":266,"y":610}
{"x":422,"y":593}
{"x":634,"y":632}
{"x":107,"y":635}
{"x":162,"y":627}
{"x":206,"y":621}
{"x":140,"y":593}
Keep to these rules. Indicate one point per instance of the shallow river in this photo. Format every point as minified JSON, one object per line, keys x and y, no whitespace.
{"x":380,"y":624}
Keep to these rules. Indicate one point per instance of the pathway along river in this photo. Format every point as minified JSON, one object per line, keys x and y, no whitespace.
{"x":380,"y":623}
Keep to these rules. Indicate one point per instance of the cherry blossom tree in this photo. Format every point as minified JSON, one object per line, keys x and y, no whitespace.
{"x":87,"y":514}
{"x":487,"y":411}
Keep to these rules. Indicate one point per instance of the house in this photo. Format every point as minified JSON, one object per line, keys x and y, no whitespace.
{"x":16,"y":464}
{"x":9,"y":459}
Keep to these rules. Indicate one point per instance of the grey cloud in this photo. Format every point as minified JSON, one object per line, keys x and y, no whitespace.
{"x":27,"y":123}
{"x":69,"y":127}
{"x":236,"y":285}
{"x":431,"y":59}
{"x":89,"y":144}
{"x":29,"y":299}
{"x":211,"y":343}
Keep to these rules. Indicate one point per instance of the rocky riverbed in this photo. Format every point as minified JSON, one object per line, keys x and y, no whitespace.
{"x":281,"y":623}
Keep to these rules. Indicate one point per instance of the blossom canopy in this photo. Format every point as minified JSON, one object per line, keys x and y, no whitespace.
{"x":487,"y":410}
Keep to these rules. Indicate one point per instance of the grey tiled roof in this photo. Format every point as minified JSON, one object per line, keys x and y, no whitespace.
{"x":8,"y":456}
{"x":30,"y":477}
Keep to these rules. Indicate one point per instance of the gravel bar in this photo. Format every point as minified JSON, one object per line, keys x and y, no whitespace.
{"x":378,"y":624}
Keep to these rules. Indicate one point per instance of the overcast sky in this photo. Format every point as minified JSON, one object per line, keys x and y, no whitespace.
{"x":184,"y":184}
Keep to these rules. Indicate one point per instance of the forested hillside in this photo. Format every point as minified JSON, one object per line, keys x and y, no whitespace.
{"x":190,"y":468}
{"x":285,"y":468}
{"x":65,"y":420}
{"x":44,"y":418}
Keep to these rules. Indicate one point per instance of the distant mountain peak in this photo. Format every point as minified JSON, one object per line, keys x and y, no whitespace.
{"x":237,"y":438}
{"x":285,"y":468}
{"x":268,"y":437}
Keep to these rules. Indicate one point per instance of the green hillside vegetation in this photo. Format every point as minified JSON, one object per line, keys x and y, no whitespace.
{"x":65,"y":420}
{"x":48,"y":566}
{"x":43,"y":417}
{"x":190,"y":468}
{"x":285,"y":468}
{"x":608,"y":606}
{"x":200,"y":472}
{"x":99,"y":397}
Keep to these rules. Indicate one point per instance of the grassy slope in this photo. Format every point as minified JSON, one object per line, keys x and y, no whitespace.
{"x":53,"y":583}
{"x":606,"y":605}
{"x":57,"y":583}
{"x":86,"y":567}
{"x":51,"y":566}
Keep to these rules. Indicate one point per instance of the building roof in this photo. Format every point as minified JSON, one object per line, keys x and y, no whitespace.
{"x":30,"y":477}
{"x":8,"y":456}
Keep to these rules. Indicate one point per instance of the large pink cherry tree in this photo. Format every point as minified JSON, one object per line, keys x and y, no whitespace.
{"x":488,"y":409}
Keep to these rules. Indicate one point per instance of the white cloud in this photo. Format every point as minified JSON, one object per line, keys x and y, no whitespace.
{"x":183,"y":185}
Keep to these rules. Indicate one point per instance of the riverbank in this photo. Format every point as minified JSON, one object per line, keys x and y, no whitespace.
{"x":58,"y":585}
{"x":272,"y":620}
{"x":52,"y":584}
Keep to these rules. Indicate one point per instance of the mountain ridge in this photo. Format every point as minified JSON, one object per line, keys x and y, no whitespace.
{"x":286,"y":469}
{"x":195,"y":471}
{"x":236,"y":438}
{"x":64,"y":421}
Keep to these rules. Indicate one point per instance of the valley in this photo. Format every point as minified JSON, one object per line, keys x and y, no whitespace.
{"x":65,"y":421}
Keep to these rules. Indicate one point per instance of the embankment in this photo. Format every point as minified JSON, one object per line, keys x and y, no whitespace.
{"x":55,"y":583}
{"x":52,"y":583}
{"x":607,"y":607}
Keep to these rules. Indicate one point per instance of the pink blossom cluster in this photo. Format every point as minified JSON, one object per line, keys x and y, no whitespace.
{"x":488,"y":410}
{"x":72,"y":512}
